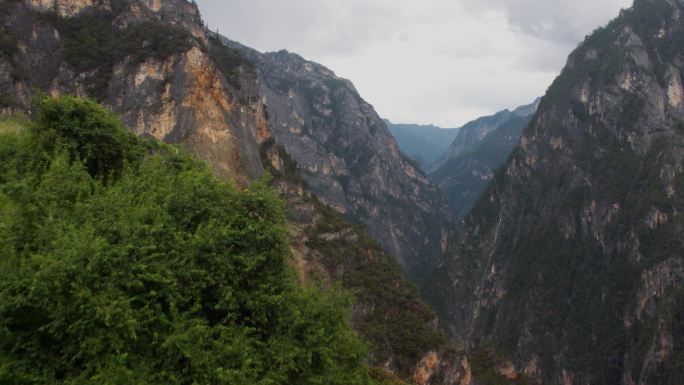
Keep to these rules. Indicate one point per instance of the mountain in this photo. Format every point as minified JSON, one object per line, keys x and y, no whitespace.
{"x":157,"y":67}
{"x":465,"y":176}
{"x":349,"y":159}
{"x":474,"y":132}
{"x":424,"y":144}
{"x":480,"y":148}
{"x":571,"y":263}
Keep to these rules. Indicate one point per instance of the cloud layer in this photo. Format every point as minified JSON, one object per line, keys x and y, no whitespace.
{"x":428,"y":61}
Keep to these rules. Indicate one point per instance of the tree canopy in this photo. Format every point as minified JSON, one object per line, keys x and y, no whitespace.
{"x":124,"y":261}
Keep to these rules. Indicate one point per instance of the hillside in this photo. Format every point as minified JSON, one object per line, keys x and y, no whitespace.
{"x":571,"y":263}
{"x":156,"y":65}
{"x":471,"y":134}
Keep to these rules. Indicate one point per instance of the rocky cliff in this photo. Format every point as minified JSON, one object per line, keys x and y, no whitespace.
{"x":571,"y":263}
{"x":154,"y":63}
{"x":350,"y":160}
{"x":150,"y":61}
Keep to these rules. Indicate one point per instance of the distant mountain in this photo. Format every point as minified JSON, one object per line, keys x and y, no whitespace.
{"x":472,"y":133}
{"x":479,"y":149}
{"x":464,"y":177}
{"x":424,"y":144}
{"x":571,"y":264}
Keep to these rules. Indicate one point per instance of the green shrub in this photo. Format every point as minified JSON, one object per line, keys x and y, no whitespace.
{"x":88,"y":132}
{"x":162,"y":275}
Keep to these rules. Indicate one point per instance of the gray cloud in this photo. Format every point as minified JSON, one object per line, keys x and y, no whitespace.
{"x":318,"y":27}
{"x":562,"y":21}
{"x":428,"y":61}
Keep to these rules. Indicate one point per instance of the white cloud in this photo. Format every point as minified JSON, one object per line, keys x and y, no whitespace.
{"x":428,"y":61}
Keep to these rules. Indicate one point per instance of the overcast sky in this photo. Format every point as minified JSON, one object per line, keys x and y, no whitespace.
{"x":423,"y":61}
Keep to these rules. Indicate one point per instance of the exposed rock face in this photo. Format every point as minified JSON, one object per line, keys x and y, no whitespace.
{"x":350,"y":160}
{"x":175,"y":12}
{"x":180,"y":98}
{"x":571,"y":263}
{"x":441,"y":368}
{"x":68,"y":8}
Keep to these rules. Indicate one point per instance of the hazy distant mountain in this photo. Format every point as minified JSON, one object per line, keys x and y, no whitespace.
{"x":474,"y":132}
{"x":480,"y":148}
{"x":464,"y":177}
{"x":424,"y":144}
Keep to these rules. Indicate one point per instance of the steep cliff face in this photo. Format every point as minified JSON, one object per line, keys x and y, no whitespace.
{"x":350,"y":160}
{"x":150,"y":61}
{"x":470,"y":135}
{"x":572,"y":263}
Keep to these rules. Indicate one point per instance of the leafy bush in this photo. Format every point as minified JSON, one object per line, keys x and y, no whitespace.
{"x":87,"y":133}
{"x":163,"y":275}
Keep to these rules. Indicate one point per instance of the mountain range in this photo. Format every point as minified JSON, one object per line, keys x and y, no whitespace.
{"x":542,"y":246}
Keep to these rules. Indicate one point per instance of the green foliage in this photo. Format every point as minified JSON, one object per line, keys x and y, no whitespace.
{"x":8,"y":101}
{"x":87,"y":132}
{"x":92,"y":43}
{"x":13,"y":125}
{"x":162,"y":275}
{"x":396,"y":321}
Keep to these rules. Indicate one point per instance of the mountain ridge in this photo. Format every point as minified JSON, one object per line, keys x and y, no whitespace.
{"x":570,"y":264}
